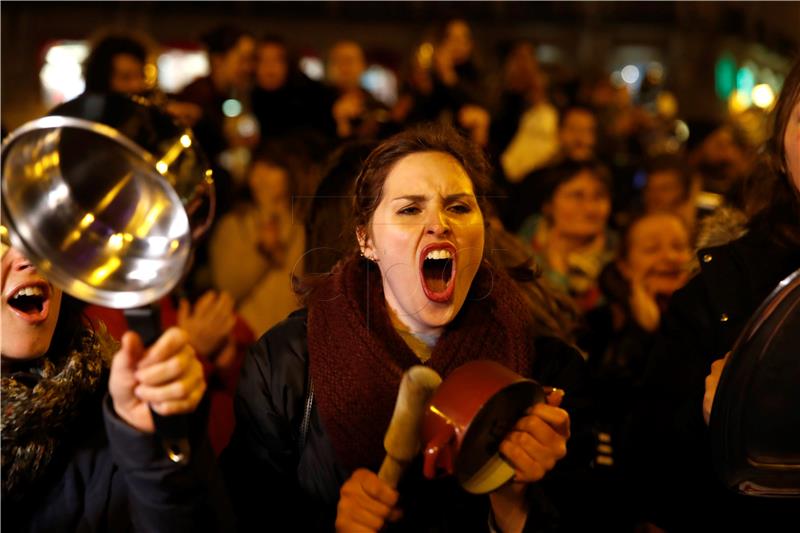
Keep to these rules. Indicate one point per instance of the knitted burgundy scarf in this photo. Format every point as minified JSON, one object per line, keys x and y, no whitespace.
{"x":357,"y":357}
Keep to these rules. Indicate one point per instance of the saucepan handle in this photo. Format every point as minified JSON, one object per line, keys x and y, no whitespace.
{"x":437,"y":452}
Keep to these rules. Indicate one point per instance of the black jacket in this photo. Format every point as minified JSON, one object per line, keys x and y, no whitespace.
{"x":107,"y":476}
{"x":279,"y":483}
{"x":678,"y":486}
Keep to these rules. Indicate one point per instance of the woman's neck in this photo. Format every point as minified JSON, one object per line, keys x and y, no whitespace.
{"x":420,"y":340}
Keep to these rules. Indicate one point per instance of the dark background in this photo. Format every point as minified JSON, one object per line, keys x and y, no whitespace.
{"x":686,"y":37}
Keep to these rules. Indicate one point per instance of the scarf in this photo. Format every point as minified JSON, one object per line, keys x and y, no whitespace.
{"x":357,"y":358}
{"x":39,"y":407}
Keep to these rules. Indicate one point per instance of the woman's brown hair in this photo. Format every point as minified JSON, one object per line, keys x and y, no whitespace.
{"x":552,"y":315}
{"x":771,"y":199}
{"x":422,"y":138}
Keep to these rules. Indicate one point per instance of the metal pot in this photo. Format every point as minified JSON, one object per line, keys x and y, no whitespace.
{"x":106,"y":198}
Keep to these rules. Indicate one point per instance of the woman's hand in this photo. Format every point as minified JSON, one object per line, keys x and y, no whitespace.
{"x":643,"y":306}
{"x":476,"y":120}
{"x":209,"y":324}
{"x":533,"y":447}
{"x":538,"y":440}
{"x":712,"y":380}
{"x":167,"y":376}
{"x":365,"y":503}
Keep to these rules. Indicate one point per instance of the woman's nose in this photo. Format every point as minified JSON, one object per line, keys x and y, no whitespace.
{"x":438,"y":224}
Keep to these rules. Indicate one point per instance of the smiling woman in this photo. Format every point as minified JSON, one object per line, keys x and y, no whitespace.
{"x":317,"y":391}
{"x":77,"y":420}
{"x":30,"y":309}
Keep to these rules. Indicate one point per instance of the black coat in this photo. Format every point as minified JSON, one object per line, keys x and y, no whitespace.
{"x":677,"y":482}
{"x":278,"y":483}
{"x":108,"y":476}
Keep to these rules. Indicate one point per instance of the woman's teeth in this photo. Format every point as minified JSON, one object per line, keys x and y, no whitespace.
{"x":29,"y":291}
{"x":439,"y":254}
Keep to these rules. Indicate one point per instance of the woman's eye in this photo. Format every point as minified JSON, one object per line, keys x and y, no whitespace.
{"x":410,"y":210}
{"x":460,"y":208}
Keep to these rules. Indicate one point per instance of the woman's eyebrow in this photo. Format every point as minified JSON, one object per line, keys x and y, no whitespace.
{"x":411,"y":198}
{"x":458,"y":196}
{"x":422,"y":198}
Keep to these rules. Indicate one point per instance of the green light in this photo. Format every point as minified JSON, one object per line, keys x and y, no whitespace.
{"x":725,"y":76}
{"x":232,"y":108}
{"x":745,"y":81}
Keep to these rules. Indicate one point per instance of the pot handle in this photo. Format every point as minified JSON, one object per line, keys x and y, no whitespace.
{"x":438,"y":453}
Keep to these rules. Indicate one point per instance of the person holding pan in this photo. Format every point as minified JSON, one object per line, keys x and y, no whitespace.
{"x":317,"y":391}
{"x":79,"y":452}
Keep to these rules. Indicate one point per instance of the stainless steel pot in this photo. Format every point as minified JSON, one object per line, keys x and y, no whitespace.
{"x":106,"y":219}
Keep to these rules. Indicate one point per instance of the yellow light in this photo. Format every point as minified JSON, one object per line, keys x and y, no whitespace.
{"x":150,"y":74}
{"x":186,"y":141}
{"x":425,"y":55}
{"x":442,"y":415}
{"x":87,"y":220}
{"x":72,"y":238}
{"x":102,"y":272}
{"x":738,"y":102}
{"x":174,"y":245}
{"x":150,"y":218}
{"x":128,"y":237}
{"x":55,"y":159}
{"x":162,"y":167}
{"x":5,"y":244}
{"x":763,"y":96}
{"x":116,"y":241}
{"x":37,"y":168}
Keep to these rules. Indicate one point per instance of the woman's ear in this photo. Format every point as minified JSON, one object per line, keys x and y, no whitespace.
{"x":365,"y":243}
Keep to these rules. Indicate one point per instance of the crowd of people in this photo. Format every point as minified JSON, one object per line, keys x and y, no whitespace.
{"x":551,"y":228}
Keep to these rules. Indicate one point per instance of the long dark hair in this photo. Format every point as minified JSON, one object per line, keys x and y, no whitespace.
{"x":422,"y":138}
{"x":771,"y":199}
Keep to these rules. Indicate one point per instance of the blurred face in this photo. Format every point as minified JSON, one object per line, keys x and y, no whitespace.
{"x":30,"y":308}
{"x":346,"y":64}
{"x":721,"y":147}
{"x":427,"y":236}
{"x":127,"y":75}
{"x":458,"y":41}
{"x":522,"y":68}
{"x":578,"y":135}
{"x":270,"y":186}
{"x":664,"y":191}
{"x":658,"y":254}
{"x":235,"y":68}
{"x":791,"y":141}
{"x":580,"y":207}
{"x":272,"y":67}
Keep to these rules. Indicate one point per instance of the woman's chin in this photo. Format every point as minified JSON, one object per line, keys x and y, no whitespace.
{"x":25,"y":352}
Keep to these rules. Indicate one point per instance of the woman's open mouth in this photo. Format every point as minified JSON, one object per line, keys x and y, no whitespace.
{"x":438,"y":271}
{"x":31,"y":302}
